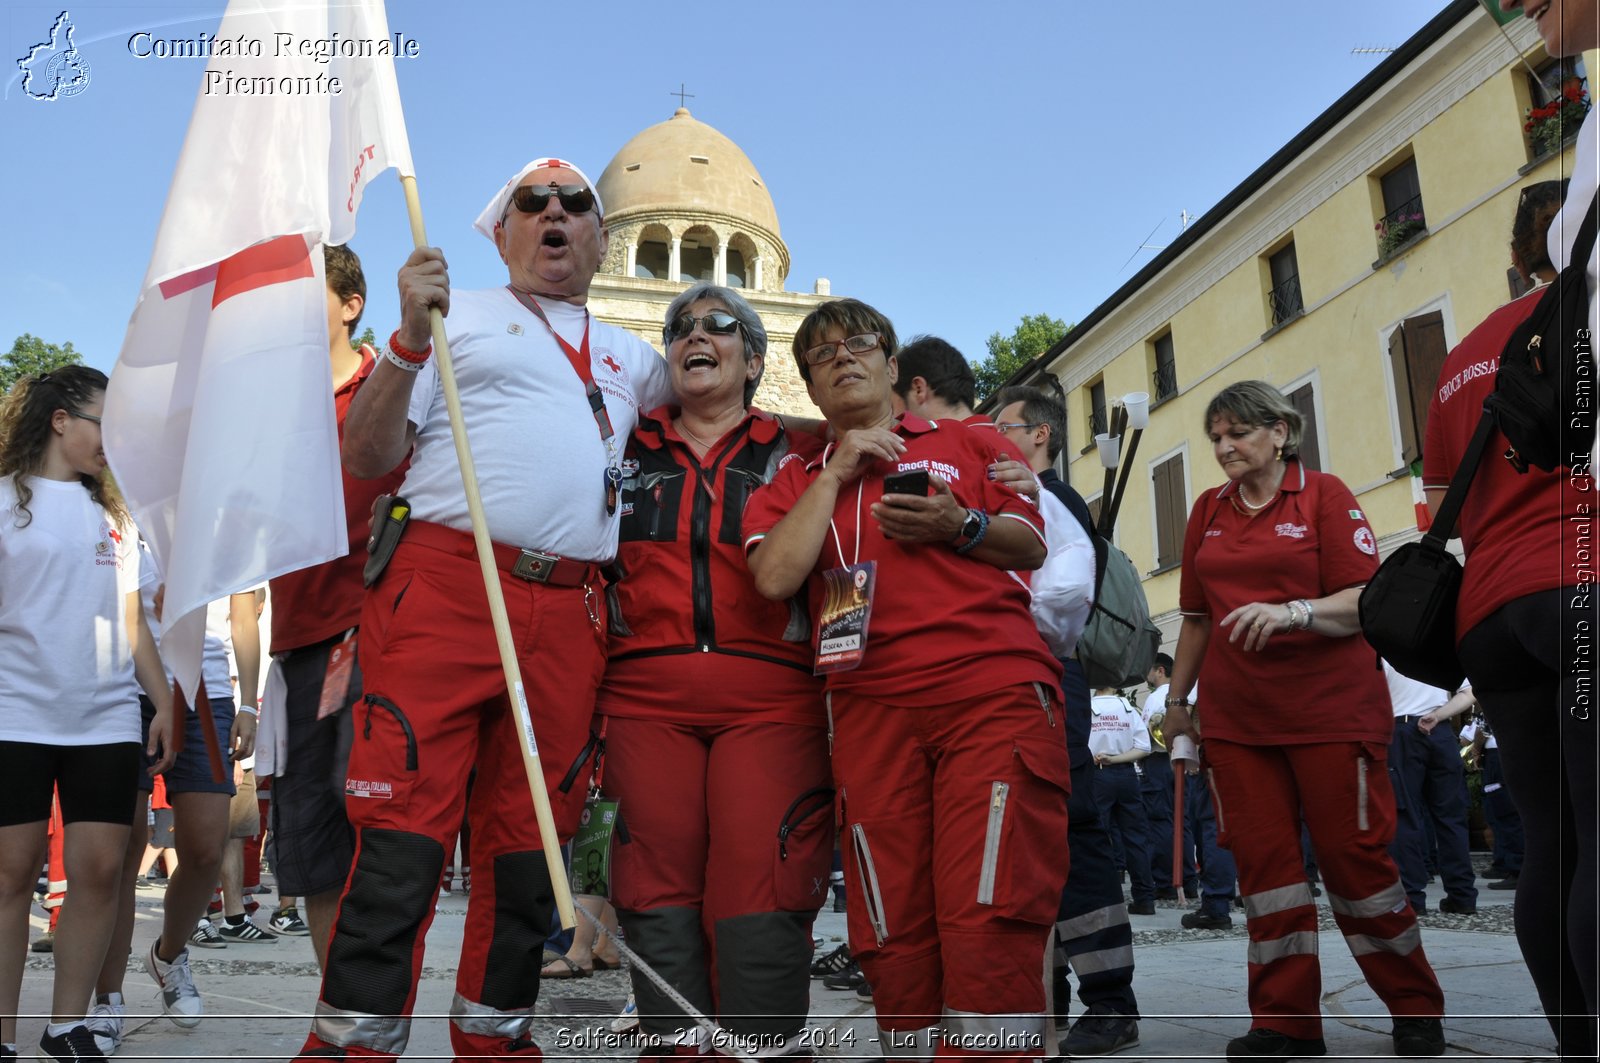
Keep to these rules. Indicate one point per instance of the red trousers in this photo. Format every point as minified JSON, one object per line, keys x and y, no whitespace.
{"x":955,"y":830}
{"x":1342,"y":791}
{"x":435,"y":707}
{"x":714,"y":892}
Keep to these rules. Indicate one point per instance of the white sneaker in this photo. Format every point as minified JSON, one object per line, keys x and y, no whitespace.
{"x":628,"y":1020}
{"x":179,"y":997}
{"x":105,"y":1022}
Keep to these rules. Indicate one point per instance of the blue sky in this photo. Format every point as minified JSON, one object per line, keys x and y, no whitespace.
{"x":958,"y":165}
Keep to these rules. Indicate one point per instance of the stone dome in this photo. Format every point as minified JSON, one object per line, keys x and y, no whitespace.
{"x":683,"y":164}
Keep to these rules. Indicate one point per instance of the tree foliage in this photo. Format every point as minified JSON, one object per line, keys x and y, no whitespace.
{"x":1007,"y":354}
{"x":30,"y":355}
{"x":368,"y":338}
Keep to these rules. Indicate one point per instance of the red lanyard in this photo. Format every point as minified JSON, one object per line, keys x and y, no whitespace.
{"x":579,"y":357}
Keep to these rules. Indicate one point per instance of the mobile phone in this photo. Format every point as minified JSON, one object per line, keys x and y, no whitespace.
{"x":913,"y":482}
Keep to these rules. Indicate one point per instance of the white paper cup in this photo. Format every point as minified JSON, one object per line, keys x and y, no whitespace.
{"x":1110,"y":449}
{"x":1138,"y":404}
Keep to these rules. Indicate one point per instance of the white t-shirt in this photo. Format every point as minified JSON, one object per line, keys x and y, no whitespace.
{"x":540,"y":462}
{"x":216,"y":652}
{"x":1564,"y":229}
{"x":1410,"y":697}
{"x":1117,"y":728}
{"x":1155,"y":704}
{"x":67,"y":677}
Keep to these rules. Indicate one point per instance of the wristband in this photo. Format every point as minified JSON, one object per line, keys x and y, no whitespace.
{"x":1177,"y":701}
{"x":251,"y":709}
{"x":401,"y":363}
{"x":407,"y":353}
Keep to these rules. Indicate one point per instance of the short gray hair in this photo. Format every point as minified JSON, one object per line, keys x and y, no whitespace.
{"x":1258,"y":403}
{"x":750,"y":326}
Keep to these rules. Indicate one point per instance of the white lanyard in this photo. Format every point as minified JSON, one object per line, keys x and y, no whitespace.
{"x":861,"y":486}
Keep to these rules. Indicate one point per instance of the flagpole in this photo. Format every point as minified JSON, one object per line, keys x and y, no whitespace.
{"x":491,"y":583}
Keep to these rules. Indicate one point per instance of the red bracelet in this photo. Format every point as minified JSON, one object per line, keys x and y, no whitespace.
{"x":414,"y":357}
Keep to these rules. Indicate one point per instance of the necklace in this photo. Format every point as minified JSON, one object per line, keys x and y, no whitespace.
{"x":1251,"y":506}
{"x":684,"y":428}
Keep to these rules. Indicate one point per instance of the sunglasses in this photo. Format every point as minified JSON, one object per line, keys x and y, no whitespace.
{"x":91,"y":418}
{"x":1008,"y":425}
{"x":717,"y":323}
{"x":823,"y":353}
{"x":532,"y":199}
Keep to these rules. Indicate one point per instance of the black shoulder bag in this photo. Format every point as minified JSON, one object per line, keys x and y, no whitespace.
{"x":1408,"y":610}
{"x":1544,"y":394}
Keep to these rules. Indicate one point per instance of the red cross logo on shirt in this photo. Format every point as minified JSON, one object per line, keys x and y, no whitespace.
{"x":611,"y":364}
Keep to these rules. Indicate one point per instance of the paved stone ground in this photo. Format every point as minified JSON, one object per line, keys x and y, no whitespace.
{"x":1190,"y":983}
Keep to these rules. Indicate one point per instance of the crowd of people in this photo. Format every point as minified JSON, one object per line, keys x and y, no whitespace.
{"x":762,"y":638}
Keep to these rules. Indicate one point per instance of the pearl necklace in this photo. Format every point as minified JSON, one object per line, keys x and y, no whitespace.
{"x":1251,"y":506}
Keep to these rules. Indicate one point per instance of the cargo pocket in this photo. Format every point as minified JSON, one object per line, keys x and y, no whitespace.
{"x":383,"y":761}
{"x":801,"y":861}
{"x":1023,"y":863}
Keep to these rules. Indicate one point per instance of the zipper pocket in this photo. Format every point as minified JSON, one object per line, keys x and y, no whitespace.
{"x":1361,"y":793}
{"x":1044,"y":703}
{"x":827,"y":707}
{"x":870,"y":893}
{"x":820,"y":798}
{"x":991,"y":842}
{"x":400,"y":718}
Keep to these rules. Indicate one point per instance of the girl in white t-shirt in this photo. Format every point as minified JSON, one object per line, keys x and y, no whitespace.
{"x":73,"y":638}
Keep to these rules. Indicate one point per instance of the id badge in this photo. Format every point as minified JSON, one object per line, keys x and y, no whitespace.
{"x":846,"y":611}
{"x":591,"y":847}
{"x":336,"y":680}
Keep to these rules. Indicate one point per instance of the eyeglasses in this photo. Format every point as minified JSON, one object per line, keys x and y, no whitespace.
{"x":1006,"y":426}
{"x":823,"y":353}
{"x":84,"y":416}
{"x":532,"y":199}
{"x":717,"y":323}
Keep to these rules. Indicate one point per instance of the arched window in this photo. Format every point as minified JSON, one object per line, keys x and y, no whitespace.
{"x":697,"y":256}
{"x":735,"y":269}
{"x":651,"y":260}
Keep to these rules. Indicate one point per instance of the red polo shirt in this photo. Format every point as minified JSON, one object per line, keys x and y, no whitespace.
{"x":691,"y":639}
{"x":1311,"y":541}
{"x":1521,"y":531}
{"x":944,"y":626}
{"x":324,"y":600}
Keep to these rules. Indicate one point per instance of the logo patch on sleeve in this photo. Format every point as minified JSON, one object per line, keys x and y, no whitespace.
{"x":1364,"y":541}
{"x":1356,"y":514}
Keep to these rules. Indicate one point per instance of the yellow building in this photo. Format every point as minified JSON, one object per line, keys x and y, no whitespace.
{"x":684,"y":204}
{"x":1341,"y":271}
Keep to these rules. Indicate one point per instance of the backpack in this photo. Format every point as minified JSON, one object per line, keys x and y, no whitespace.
{"x":1545,"y":391}
{"x":1120,"y":641}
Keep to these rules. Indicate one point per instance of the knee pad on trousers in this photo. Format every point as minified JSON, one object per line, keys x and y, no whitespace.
{"x":763,"y":977}
{"x":391,"y":893}
{"x":671,"y":941}
{"x":524,"y":904}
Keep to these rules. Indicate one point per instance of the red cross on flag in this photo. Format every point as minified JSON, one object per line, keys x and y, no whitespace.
{"x":219,"y":418}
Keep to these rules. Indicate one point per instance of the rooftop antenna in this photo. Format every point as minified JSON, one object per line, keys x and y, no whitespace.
{"x":1375,"y":50}
{"x":682,"y":95}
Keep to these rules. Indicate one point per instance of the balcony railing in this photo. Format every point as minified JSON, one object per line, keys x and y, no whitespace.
{"x":1400,"y":225}
{"x":1285,"y":299}
{"x":1166,"y":377}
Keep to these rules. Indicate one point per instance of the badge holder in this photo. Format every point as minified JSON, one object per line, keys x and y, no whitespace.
{"x":337,"y":678}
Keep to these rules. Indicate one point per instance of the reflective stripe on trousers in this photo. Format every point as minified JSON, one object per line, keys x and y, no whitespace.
{"x":388,"y":1034}
{"x":480,"y":1020}
{"x":1280,"y":899}
{"x":1386,"y":901}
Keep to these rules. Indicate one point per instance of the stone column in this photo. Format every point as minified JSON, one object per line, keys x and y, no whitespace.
{"x":720,"y":273}
{"x":632,"y":260}
{"x":674,"y":258}
{"x":755,"y":281}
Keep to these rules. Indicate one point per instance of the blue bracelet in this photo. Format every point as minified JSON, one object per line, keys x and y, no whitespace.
{"x":983,"y":529}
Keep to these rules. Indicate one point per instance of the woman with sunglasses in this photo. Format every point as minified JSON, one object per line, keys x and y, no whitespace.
{"x":712,"y":719}
{"x":73,"y":637}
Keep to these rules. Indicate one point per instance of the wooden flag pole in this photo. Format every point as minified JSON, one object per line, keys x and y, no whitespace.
{"x":491,"y":583}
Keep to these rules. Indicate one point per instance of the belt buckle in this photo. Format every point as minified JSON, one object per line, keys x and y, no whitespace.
{"x":534,"y":566}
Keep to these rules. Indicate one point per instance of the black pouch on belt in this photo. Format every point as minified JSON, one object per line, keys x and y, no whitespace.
{"x":392,"y":514}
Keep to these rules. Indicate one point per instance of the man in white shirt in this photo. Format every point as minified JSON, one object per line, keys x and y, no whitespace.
{"x":549,"y":396}
{"x":1429,"y":783}
{"x":1118,"y":741}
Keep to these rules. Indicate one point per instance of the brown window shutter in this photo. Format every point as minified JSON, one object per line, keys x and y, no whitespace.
{"x":1426,"y":351}
{"x":1304,"y":401}
{"x":1410,"y":448}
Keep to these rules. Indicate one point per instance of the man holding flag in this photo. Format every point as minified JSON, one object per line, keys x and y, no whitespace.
{"x":551,"y":396}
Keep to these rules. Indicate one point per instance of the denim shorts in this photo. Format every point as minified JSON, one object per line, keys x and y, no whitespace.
{"x":191,"y":772}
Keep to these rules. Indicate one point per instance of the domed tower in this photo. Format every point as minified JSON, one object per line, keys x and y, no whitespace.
{"x":684,"y":205}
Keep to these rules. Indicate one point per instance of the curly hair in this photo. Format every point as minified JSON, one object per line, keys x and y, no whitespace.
{"x":25,"y":415}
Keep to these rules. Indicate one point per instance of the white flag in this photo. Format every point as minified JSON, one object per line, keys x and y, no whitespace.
{"x":219,"y":418}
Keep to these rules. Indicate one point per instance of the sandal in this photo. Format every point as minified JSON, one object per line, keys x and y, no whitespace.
{"x":573,"y":969}
{"x":833,"y":962}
